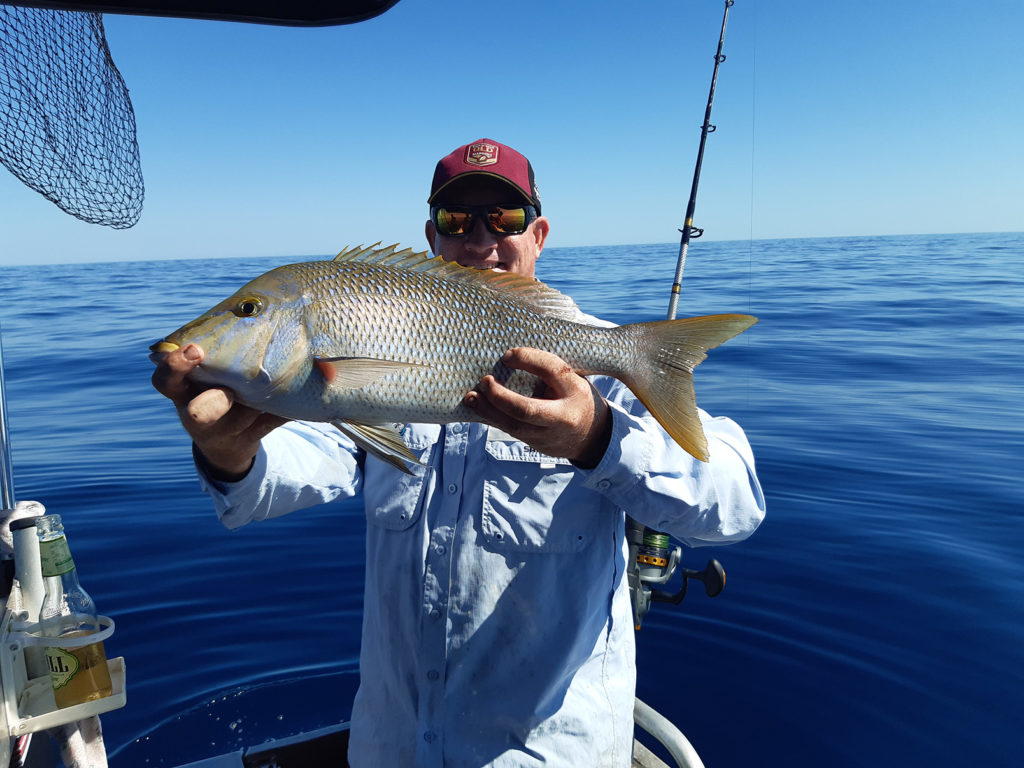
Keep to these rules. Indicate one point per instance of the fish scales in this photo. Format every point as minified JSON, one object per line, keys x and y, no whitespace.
{"x":381,"y":335}
{"x":453,"y":333}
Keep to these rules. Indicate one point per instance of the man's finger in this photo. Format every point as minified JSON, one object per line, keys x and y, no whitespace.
{"x":210,"y":406}
{"x":535,"y":361}
{"x":508,"y":402}
{"x":265,"y":424}
{"x":479,"y":401}
{"x":171,"y":375}
{"x":550,"y":368}
{"x":214,"y":413}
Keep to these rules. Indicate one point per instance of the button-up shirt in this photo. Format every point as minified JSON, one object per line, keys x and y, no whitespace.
{"x":497,"y":626}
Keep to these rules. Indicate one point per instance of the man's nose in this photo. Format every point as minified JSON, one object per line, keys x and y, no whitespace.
{"x":480,"y":237}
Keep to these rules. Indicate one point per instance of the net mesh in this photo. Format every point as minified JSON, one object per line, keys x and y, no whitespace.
{"x":67,"y":128}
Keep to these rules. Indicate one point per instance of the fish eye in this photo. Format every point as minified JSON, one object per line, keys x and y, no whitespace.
{"x":250,"y":306}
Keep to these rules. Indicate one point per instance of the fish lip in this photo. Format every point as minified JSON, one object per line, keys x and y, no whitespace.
{"x":159,"y":350}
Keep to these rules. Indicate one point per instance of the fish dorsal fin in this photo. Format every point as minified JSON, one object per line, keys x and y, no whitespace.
{"x":526,"y":289}
{"x":375,"y":255}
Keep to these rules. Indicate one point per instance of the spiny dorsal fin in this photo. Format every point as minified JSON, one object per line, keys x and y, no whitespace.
{"x":375,"y":255}
{"x":528,"y":290}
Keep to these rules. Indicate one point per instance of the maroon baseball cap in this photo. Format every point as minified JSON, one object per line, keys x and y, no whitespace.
{"x":486,"y":157}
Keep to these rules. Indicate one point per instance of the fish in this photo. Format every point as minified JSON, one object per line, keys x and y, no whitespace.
{"x":379,"y":337}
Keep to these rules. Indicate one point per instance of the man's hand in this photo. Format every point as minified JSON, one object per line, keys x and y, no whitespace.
{"x":226,"y":433}
{"x":569,"y":418}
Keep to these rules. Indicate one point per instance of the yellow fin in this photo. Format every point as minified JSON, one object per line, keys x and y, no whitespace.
{"x":664,"y":383}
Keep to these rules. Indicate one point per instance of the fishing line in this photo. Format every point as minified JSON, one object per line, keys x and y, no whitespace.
{"x":753,"y":153}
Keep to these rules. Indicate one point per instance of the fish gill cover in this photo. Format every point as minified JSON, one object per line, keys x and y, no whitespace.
{"x":67,"y":127}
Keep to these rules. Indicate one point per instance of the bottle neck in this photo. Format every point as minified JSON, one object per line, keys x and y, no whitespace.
{"x":55,"y":559}
{"x":66,"y":606}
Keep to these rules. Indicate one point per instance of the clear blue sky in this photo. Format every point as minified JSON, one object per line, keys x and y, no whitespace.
{"x":833,"y":118}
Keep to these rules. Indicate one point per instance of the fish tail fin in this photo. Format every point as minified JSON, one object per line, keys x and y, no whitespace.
{"x":662,"y":379}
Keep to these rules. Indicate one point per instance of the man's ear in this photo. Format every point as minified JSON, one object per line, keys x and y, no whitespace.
{"x":540,"y":229}
{"x":431,"y":232}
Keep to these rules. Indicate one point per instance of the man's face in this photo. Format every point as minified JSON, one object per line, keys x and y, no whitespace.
{"x":481,"y":248}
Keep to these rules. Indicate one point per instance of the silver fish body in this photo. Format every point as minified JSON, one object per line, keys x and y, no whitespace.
{"x":381,"y":336}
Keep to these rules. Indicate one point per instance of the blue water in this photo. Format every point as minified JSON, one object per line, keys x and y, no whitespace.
{"x":875,"y":619}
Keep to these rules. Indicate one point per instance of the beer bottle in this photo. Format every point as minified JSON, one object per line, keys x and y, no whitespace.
{"x":78,"y":674}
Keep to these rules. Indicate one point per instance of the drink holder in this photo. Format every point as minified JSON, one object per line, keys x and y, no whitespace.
{"x":28,"y":704}
{"x":25,"y":634}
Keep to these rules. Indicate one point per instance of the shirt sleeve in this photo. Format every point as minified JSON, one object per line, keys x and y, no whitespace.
{"x":298,"y":465}
{"x":660,"y":485}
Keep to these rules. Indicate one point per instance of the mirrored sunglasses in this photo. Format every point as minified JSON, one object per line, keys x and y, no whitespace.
{"x":458,"y":220}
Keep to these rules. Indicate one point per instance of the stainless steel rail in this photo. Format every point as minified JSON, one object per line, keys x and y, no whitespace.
{"x":6,"y":470}
{"x":670,"y":737}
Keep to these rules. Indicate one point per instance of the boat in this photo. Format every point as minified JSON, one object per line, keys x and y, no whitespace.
{"x":29,"y":707}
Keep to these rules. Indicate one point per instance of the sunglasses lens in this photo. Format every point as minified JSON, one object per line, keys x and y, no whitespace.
{"x":453,"y":223}
{"x":507,"y":221}
{"x":456,"y":221}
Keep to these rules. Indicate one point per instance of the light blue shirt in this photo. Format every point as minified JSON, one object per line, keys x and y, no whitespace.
{"x":497,"y":627}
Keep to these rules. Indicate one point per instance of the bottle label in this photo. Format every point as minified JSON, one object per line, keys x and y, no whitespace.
{"x":63,"y":666}
{"x":55,"y":557}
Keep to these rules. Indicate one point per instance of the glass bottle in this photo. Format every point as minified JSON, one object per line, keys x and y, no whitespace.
{"x":78,"y":674}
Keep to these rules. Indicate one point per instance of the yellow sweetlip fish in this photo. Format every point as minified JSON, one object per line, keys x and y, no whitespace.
{"x":380,"y":336}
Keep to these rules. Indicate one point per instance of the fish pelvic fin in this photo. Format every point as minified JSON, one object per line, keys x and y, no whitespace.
{"x":663,"y":381}
{"x":380,"y":440}
{"x":356,"y":372}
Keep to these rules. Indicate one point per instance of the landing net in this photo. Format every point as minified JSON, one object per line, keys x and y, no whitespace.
{"x":67,"y":128}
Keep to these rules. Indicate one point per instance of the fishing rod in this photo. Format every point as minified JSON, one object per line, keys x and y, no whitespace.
{"x":707,"y":128}
{"x":652,"y":559}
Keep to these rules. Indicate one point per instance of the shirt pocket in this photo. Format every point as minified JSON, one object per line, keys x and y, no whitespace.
{"x":533,"y":502}
{"x":394,"y":499}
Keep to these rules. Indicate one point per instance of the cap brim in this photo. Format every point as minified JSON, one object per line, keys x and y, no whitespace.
{"x":512,"y":185}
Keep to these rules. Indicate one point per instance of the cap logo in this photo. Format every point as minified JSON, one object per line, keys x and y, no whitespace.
{"x":481,"y":154}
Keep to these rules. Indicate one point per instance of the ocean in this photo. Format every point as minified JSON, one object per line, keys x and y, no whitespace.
{"x":875,"y":619}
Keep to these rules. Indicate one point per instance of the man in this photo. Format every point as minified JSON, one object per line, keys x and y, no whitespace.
{"x":497,"y":626}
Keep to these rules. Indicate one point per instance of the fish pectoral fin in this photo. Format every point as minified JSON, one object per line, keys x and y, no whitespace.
{"x":379,"y":440}
{"x":356,"y":372}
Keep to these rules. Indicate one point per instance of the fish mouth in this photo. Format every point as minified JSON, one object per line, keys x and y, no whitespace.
{"x":160,"y":350}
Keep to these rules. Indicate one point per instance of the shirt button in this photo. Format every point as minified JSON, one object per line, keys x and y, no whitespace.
{"x":434,"y":614}
{"x":439,"y":549}
{"x":604,"y":485}
{"x":429,"y":736}
{"x":452,"y":488}
{"x":432,"y":675}
{"x":456,"y":428}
